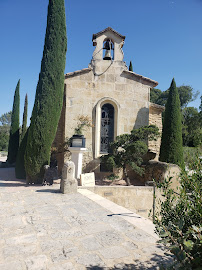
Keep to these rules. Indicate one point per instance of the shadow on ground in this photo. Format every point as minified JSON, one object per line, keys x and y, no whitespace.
{"x":49,"y":190}
{"x":156,"y":262}
{"x":124,"y":214}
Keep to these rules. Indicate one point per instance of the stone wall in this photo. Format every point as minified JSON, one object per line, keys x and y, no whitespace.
{"x":136,"y":199}
{"x":155,"y":118}
{"x":158,"y":171}
{"x":112,"y":83}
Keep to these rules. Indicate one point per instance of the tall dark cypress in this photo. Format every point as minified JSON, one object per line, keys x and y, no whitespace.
{"x":131,"y":66}
{"x":49,"y":94}
{"x":20,"y":161}
{"x":171,"y":150}
{"x":24,"y":121}
{"x":20,"y":166}
{"x":15,"y":125}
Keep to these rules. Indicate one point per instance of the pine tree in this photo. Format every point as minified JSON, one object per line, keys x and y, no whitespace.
{"x":49,"y":94}
{"x":24,"y":122}
{"x":15,"y":124}
{"x":131,"y":66}
{"x":171,"y":150}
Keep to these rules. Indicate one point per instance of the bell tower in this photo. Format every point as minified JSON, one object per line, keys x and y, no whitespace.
{"x":108,"y":49}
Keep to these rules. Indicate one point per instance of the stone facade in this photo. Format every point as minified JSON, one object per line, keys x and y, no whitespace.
{"x":106,"y":82}
{"x":155,"y":118}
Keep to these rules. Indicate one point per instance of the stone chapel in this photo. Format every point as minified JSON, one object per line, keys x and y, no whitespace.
{"x":115,"y":99}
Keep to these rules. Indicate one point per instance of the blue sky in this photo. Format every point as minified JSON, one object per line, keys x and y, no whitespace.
{"x":163,"y":40}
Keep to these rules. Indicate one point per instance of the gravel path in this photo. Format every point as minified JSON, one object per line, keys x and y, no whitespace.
{"x":40,"y":228}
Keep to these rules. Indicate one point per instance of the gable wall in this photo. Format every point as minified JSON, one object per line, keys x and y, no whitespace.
{"x":83,"y":92}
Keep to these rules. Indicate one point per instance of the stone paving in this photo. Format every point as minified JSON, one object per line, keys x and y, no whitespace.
{"x":41,"y":228}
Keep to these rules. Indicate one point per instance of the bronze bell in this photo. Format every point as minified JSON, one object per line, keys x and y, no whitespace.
{"x":107,"y":47}
{"x":107,"y":55}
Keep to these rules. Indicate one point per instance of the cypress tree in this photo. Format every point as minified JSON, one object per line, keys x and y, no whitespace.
{"x":171,"y":150}
{"x":49,"y":94}
{"x":131,"y":66}
{"x":15,"y":125}
{"x":19,"y":166}
{"x":24,"y":122}
{"x":20,"y":163}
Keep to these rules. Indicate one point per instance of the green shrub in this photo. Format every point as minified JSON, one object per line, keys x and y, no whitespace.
{"x":178,"y":222}
{"x":128,"y":149}
{"x":190,"y":154}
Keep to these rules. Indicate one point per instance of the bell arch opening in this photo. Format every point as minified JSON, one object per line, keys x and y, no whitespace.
{"x":108,"y":49}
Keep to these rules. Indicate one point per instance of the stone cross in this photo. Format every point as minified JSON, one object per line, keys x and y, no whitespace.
{"x":68,"y":182}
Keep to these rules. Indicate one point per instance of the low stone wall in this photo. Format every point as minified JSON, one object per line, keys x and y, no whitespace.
{"x":159,"y":171}
{"x":138,"y":199}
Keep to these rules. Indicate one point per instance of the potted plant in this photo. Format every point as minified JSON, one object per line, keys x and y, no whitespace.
{"x":78,"y":139}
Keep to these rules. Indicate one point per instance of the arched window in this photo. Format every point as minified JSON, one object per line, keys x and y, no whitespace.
{"x":107,"y":128}
{"x":106,"y":125}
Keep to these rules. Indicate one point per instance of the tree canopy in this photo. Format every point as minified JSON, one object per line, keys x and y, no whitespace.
{"x":186,"y":95}
{"x":49,"y":94}
{"x":24,"y":122}
{"x":171,"y":150}
{"x":5,"y":124}
{"x":15,"y":127}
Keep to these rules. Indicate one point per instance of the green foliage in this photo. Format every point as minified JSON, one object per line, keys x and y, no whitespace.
{"x":155,"y":95}
{"x":178,"y":222}
{"x":49,"y":94}
{"x":20,"y":162}
{"x":190,"y":154}
{"x":131,"y":66}
{"x":83,"y":122}
{"x":15,"y":126}
{"x":24,"y":122}
{"x":112,"y":177}
{"x":192,"y":135}
{"x":128,"y":149}
{"x":186,"y":95}
{"x":5,"y":123}
{"x":191,"y":127}
{"x":5,"y":119}
{"x":171,"y":150}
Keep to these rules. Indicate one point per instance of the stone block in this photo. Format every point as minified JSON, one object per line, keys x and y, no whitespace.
{"x":36,"y":262}
{"x":90,"y":260}
{"x":88,"y":179}
{"x":68,"y":182}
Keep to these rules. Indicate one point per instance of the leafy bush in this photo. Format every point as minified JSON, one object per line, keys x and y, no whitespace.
{"x":128,"y":149}
{"x":190,"y":154}
{"x":178,"y":222}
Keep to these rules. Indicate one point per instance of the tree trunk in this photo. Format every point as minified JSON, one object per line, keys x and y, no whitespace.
{"x":126,"y":175}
